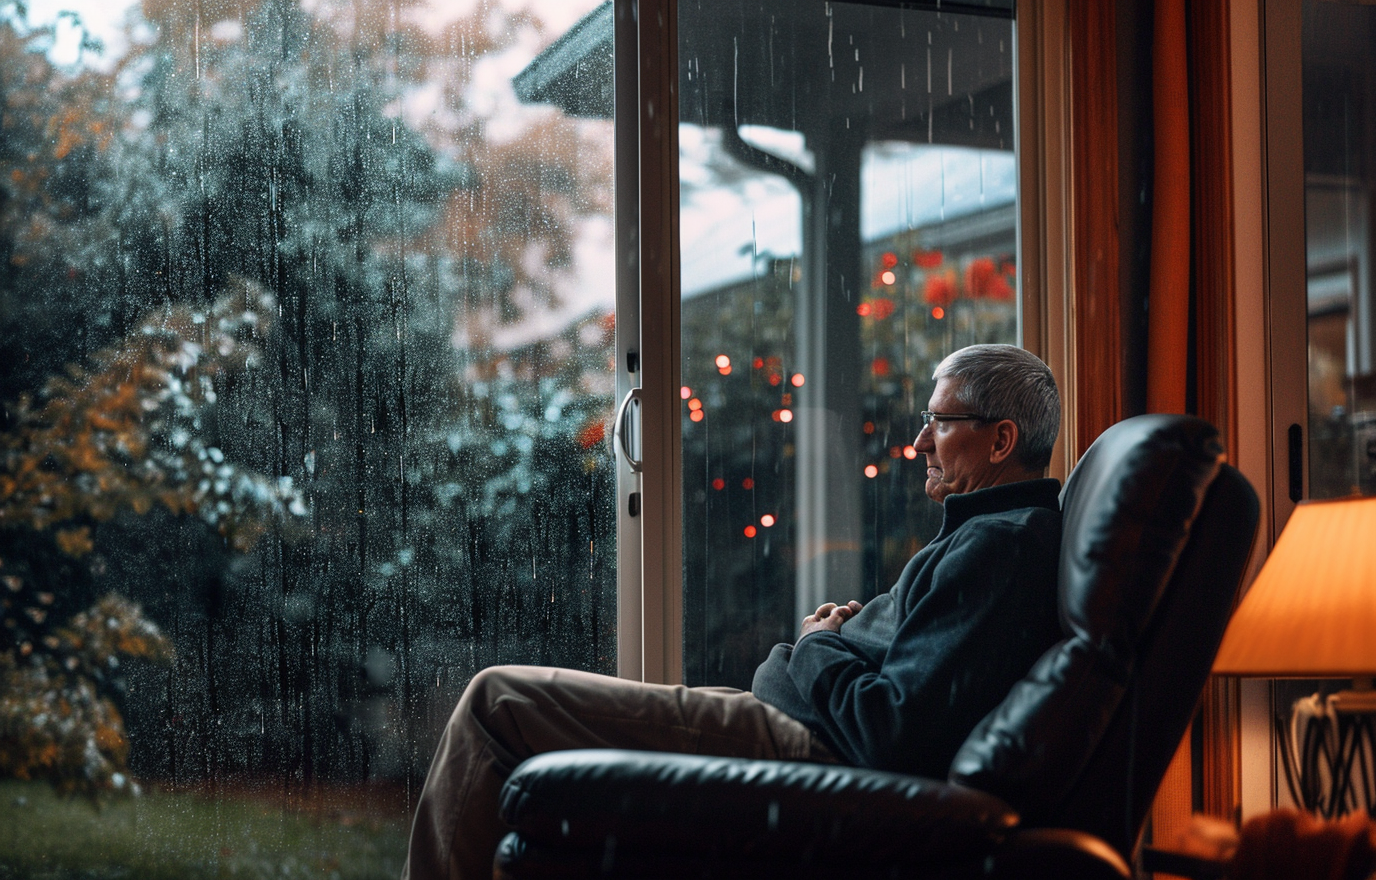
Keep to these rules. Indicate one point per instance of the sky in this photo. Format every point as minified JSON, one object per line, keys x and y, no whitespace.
{"x":102,"y":18}
{"x":728,"y":230}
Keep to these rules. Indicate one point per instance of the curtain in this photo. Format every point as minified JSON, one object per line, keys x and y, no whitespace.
{"x":1190,"y":357}
{"x":1187,"y":357}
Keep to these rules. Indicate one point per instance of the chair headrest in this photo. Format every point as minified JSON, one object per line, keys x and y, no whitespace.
{"x":1127,"y":510}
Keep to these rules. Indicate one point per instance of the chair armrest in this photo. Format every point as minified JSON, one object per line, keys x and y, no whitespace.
{"x":747,"y":809}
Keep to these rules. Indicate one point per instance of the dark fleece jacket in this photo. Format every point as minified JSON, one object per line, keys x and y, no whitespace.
{"x":905,"y":681}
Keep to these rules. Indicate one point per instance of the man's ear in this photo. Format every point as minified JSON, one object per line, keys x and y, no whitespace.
{"x":1005,"y":441}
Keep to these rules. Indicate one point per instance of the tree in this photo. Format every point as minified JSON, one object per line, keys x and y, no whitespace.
{"x":60,"y":290}
{"x":110,"y":442}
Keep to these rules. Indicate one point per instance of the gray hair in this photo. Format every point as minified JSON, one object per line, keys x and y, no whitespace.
{"x":1007,"y":382}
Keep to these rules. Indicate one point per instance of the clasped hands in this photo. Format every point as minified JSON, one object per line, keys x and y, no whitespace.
{"x":829,"y":616}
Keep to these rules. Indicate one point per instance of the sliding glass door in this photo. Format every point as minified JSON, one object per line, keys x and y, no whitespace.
{"x":848,"y":216}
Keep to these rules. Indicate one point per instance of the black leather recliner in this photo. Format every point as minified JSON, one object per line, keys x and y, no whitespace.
{"x":1055,"y":782}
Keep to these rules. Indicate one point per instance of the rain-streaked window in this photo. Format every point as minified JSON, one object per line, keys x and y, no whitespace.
{"x":307,"y":326}
{"x":848,"y":218}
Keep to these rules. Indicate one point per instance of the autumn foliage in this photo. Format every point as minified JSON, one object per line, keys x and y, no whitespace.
{"x":57,"y":720}
{"x":124,"y":434}
{"x":119,"y":436}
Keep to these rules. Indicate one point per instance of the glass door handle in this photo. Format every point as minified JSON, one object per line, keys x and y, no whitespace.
{"x":620,"y":442}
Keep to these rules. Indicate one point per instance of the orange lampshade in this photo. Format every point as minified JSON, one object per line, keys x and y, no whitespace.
{"x":1312,"y":610}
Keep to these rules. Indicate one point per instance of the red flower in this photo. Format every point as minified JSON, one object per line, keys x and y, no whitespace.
{"x":940,"y":290}
{"x":984,"y":281}
{"x":591,"y":434}
{"x":927,"y":259}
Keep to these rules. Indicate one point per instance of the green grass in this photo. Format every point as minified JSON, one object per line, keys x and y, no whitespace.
{"x":187,"y":837}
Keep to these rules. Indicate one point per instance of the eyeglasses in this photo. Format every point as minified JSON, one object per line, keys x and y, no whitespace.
{"x":928,"y":417}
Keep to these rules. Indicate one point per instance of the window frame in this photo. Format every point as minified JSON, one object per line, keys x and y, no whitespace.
{"x":1284,"y":247}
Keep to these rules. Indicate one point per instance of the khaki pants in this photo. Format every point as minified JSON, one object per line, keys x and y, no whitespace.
{"x":509,"y":713}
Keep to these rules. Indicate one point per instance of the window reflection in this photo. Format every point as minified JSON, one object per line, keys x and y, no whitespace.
{"x":307,"y":327}
{"x":848,"y":188}
{"x":1339,"y":154}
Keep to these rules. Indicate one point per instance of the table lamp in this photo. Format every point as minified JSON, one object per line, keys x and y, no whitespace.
{"x":1311,"y":613}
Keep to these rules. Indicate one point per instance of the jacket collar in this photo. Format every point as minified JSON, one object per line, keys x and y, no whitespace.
{"x":959,"y":509}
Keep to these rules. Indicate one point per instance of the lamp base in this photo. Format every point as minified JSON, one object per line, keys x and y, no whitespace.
{"x":1328,"y":748}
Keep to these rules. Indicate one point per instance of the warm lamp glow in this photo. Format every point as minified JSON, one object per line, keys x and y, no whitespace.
{"x":1312,"y":610}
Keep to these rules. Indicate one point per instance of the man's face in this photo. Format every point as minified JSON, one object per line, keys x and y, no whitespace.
{"x":958,"y":453}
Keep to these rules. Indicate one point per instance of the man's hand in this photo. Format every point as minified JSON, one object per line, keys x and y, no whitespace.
{"x":829,"y":617}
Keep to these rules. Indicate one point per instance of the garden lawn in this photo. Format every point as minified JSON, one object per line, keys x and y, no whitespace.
{"x":182,"y":836}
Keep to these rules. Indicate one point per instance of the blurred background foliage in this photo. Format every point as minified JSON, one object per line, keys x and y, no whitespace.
{"x":262,"y":413}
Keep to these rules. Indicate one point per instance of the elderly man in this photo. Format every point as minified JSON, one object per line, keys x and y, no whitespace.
{"x":896,"y":684}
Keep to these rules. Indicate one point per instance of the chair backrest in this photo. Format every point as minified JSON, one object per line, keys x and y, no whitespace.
{"x":1156,"y":535}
